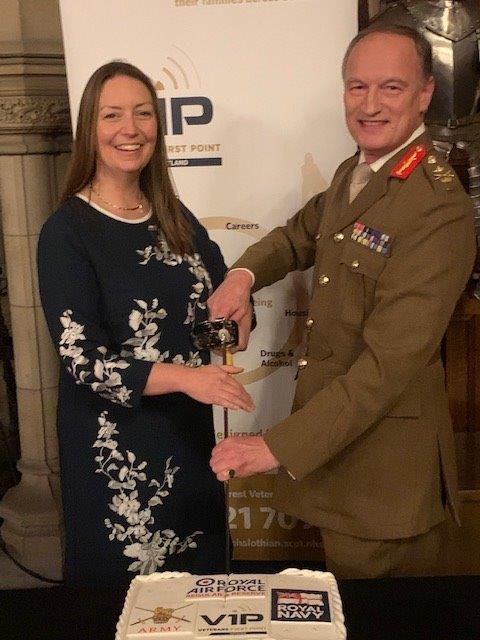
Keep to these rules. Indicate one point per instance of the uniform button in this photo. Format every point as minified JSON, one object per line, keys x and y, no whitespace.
{"x":318,"y":236}
{"x":302,"y":363}
{"x":323,"y":280}
{"x":338,"y":237}
{"x":355,"y":264}
{"x":309,"y":323}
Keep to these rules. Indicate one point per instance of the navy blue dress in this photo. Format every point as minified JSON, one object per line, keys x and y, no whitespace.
{"x":138,"y":493}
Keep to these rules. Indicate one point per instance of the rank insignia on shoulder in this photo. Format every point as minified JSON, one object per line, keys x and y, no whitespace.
{"x":371,"y":238}
{"x":441,"y":173}
{"x":444,"y":174}
{"x":409,"y":161}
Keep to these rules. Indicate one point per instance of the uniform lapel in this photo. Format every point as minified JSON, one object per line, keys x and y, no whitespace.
{"x":371,"y":193}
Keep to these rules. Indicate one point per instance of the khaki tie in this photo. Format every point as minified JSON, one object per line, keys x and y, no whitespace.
{"x":360,"y":176}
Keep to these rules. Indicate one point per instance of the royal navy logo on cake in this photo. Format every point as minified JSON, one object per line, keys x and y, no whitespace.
{"x":298,"y":605}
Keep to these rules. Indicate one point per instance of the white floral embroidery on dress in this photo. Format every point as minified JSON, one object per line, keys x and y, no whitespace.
{"x":150,"y":549}
{"x":146,"y":332}
{"x":194,"y":302}
{"x":162,"y":253}
{"x":195,"y":360}
{"x":108,"y":382}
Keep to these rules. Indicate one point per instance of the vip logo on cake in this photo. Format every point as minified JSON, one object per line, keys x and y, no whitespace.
{"x":298,"y":605}
{"x":227,"y":623}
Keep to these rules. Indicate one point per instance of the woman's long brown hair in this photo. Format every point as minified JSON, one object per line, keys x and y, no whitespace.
{"x":154,"y":177}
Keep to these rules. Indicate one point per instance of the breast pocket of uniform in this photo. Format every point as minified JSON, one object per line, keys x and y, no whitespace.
{"x":360,"y":268}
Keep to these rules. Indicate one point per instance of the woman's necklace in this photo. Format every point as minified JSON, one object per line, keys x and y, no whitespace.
{"x":115,"y":206}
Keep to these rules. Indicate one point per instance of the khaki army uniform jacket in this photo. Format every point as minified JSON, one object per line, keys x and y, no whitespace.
{"x":368,"y":449}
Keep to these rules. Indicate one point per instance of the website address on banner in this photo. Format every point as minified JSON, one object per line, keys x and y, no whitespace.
{"x":291,"y":544}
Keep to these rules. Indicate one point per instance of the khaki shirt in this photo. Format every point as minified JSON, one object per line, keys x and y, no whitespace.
{"x":369,"y":441}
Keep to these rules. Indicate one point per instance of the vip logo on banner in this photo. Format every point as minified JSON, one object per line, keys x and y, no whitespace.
{"x":183,"y":105}
{"x":251,"y":100}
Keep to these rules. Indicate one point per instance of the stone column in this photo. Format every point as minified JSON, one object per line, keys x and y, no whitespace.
{"x":35,"y":140}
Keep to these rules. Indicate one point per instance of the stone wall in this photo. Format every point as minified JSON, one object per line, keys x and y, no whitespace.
{"x":35,"y":140}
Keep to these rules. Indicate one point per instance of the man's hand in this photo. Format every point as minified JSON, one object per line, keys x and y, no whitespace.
{"x":232,"y":301}
{"x":246,"y":455}
{"x":244,"y":328}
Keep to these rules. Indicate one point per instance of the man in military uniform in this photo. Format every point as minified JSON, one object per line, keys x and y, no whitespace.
{"x":367,"y":454}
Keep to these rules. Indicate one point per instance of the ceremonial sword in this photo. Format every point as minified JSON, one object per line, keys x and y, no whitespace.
{"x":219,"y":335}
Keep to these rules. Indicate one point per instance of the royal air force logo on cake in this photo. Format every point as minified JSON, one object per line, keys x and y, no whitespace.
{"x":247,"y":585}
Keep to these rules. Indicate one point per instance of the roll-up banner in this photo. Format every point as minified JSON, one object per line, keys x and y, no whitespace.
{"x":251,"y":97}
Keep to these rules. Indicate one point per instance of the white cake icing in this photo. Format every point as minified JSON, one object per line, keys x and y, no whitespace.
{"x":291,"y":605}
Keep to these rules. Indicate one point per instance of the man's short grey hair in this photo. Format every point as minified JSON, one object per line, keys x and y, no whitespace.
{"x":424,"y":50}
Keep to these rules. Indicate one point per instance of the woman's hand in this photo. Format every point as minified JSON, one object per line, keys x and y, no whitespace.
{"x":209,"y":384}
{"x":213,"y":384}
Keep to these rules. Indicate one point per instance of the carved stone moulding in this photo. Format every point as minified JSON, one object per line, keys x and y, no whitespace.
{"x":34,"y":114}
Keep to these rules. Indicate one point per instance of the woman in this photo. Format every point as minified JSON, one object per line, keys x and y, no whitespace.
{"x":125,"y":270}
